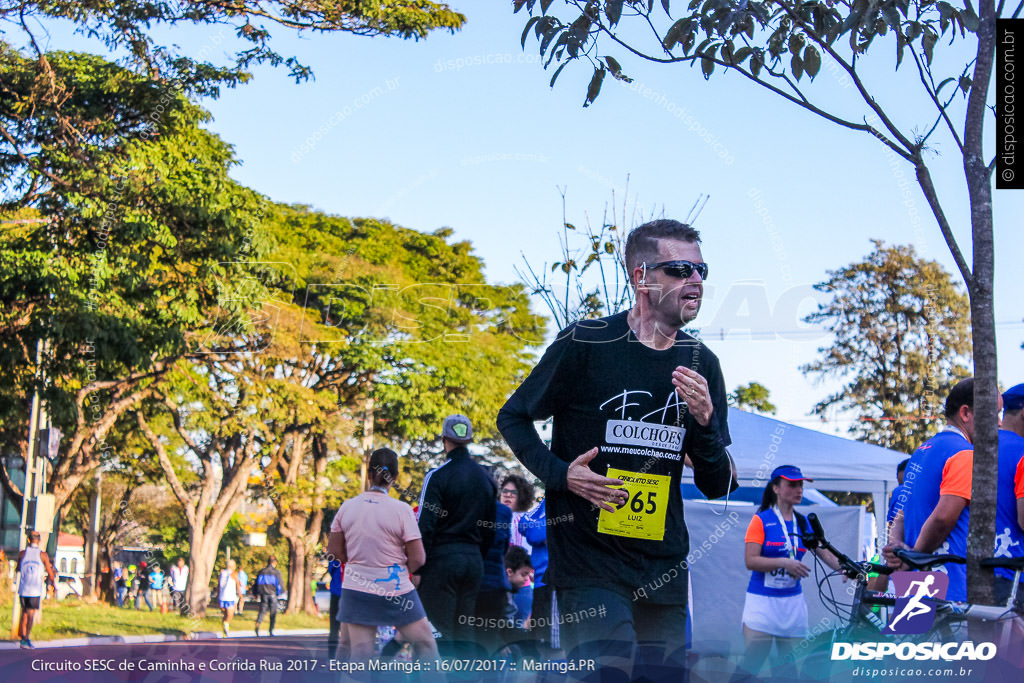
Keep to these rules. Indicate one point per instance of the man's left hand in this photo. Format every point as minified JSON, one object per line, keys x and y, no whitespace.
{"x":693,"y":389}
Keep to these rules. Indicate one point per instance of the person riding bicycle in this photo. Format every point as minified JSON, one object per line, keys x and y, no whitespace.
{"x":775,"y":610}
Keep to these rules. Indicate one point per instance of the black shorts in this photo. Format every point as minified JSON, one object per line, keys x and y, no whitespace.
{"x":29,"y":603}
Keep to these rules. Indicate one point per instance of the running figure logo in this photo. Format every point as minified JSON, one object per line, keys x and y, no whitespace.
{"x":393,"y":571}
{"x":913,"y":613}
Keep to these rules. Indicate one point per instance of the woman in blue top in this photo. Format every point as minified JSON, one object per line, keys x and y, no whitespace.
{"x":775,"y":609}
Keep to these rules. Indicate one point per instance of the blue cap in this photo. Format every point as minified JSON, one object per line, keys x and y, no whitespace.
{"x":789,"y":472}
{"x":1013,"y":398}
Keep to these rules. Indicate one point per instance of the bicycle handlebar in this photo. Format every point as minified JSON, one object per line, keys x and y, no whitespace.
{"x":851,"y":568}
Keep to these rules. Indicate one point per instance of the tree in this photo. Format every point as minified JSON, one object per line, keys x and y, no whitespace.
{"x":753,"y":396}
{"x":901,"y":337}
{"x":396,"y":329}
{"x":76,"y":153}
{"x":131,"y":254}
{"x":773,"y":44}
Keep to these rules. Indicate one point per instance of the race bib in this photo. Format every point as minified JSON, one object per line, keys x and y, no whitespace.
{"x":779,"y":579}
{"x":643,"y":515}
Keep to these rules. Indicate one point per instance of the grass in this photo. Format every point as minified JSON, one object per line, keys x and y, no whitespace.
{"x":73,"y":618}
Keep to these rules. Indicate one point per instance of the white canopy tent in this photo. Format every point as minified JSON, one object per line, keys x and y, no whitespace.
{"x":760,"y":444}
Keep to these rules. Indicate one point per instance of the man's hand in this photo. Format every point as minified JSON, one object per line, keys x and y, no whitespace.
{"x":795,"y":568}
{"x":693,"y":389}
{"x":889,"y":553}
{"x":593,"y":487}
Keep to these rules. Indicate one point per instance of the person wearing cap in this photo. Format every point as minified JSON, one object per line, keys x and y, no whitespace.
{"x":938,"y":480}
{"x":630,"y":395}
{"x":32,"y":563}
{"x":456,"y":520}
{"x":1010,"y":493}
{"x":775,"y":611}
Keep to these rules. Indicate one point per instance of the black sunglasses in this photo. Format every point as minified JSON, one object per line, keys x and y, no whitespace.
{"x":682,"y":269}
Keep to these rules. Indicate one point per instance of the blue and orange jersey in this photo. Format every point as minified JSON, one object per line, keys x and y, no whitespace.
{"x":765,"y":530}
{"x":940,"y":466}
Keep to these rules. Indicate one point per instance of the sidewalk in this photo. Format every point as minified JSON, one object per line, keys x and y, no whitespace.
{"x":198,"y":635}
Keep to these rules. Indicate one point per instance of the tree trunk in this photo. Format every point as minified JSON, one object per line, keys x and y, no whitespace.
{"x":981,"y":538}
{"x":202,"y":558}
{"x":298,"y":585}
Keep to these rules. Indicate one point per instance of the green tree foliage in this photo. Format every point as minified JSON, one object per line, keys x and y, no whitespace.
{"x":397,"y":329}
{"x":130,"y":27}
{"x":781,"y":46}
{"x":901,"y":336}
{"x":131,"y":255}
{"x":753,"y":396}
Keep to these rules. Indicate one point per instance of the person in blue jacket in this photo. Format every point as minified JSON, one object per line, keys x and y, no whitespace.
{"x":495,"y":611}
{"x":534,"y":528}
{"x":268,"y":588}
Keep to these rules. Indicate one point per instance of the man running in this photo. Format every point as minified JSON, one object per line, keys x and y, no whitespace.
{"x":630,"y":394}
{"x":32,"y":562}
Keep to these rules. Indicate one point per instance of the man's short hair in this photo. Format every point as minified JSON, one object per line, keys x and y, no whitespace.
{"x":642,"y":242}
{"x":272,"y":559}
{"x":902,"y":466}
{"x":33,"y":535}
{"x":962,"y":394}
{"x":516,"y":558}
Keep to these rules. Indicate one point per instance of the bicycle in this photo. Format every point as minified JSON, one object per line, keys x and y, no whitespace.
{"x":861,"y":624}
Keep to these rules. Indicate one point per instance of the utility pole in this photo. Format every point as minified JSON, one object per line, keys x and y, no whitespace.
{"x":92,"y":583}
{"x":29,"y":488}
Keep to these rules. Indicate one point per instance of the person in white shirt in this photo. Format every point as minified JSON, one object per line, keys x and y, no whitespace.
{"x":179,"y":582}
{"x":32,"y":562}
{"x":229,"y":589}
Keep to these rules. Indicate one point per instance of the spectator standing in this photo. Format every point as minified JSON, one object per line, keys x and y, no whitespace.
{"x":36,"y":573}
{"x":1010,"y":493}
{"x":179,"y":582}
{"x":268,"y":588}
{"x":494,"y":606}
{"x":543,"y":623}
{"x":120,"y":584}
{"x":377,"y":539}
{"x":229,"y":587}
{"x":938,"y":481}
{"x":156,"y":585}
{"x":243,"y":580}
{"x":143,"y":591}
{"x":457,"y":523}
{"x":775,"y":611}
{"x":517,"y":493}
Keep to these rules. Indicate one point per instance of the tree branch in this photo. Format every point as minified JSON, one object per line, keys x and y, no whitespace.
{"x":187,"y":502}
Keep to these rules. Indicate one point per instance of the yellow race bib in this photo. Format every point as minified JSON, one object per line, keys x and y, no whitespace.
{"x":643,"y":515}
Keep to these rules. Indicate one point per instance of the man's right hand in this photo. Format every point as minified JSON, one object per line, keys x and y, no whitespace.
{"x":593,"y":487}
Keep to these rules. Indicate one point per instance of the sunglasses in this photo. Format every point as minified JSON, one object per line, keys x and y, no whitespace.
{"x":510,"y":491}
{"x":681,"y":269}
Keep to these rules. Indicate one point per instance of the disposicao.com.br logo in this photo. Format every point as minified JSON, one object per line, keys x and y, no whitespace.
{"x":947,"y":652}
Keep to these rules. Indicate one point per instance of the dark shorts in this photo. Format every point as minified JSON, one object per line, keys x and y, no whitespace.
{"x":367,"y":609}
{"x":29,"y":603}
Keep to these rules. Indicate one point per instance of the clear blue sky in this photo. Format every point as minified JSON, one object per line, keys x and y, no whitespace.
{"x":463,"y":131}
